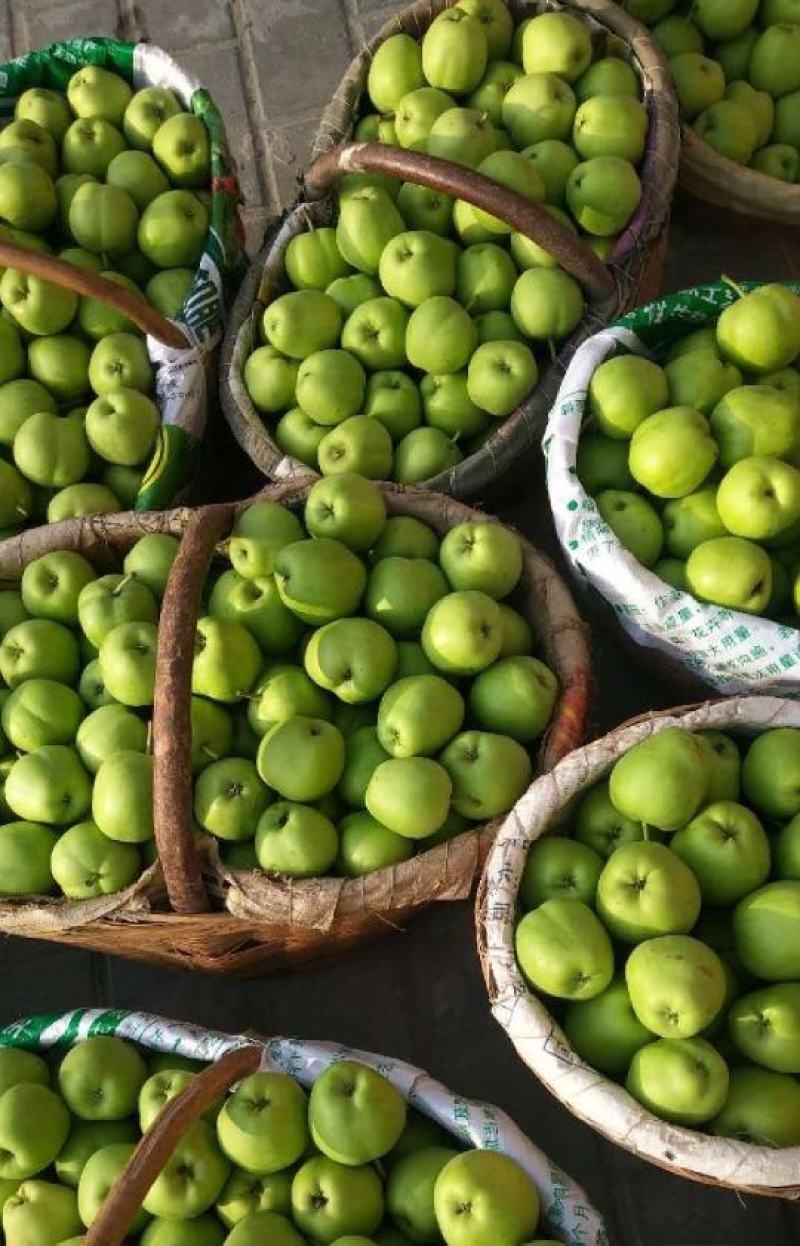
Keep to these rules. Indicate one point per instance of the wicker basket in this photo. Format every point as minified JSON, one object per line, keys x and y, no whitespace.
{"x":566,"y":1209}
{"x":242,"y":922}
{"x":539,"y":1040}
{"x":724,"y":183}
{"x":634,"y":273}
{"x":183,"y":351}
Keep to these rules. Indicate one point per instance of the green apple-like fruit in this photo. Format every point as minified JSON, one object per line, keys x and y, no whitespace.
{"x":485,"y":557}
{"x":330,"y":1200}
{"x":368,"y":220}
{"x":448,"y":406}
{"x":454,"y":52}
{"x":500,"y":375}
{"x":730,"y":129}
{"x":19,"y":399}
{"x":172,"y":229}
{"x":37,"y":306}
{"x":634,"y":522}
{"x":25,"y":852}
{"x":605,"y":1031}
{"x":107,"y":730}
{"x":690,"y":520}
{"x":515,"y":696}
{"x":730,"y":571}
{"x":416,"y":265}
{"x":422,"y":454}
{"x":423,"y":208}
{"x":295,"y":840}
{"x":765,"y":1026}
{"x":563,"y":950}
{"x":403,"y":536}
{"x":96,"y":92}
{"x":760,"y":332}
{"x":700,"y":379}
{"x":766,"y":927}
{"x":103,"y":219}
{"x":395,"y":70}
{"x":48,"y":785}
{"x":762,"y":1107}
{"x":400,"y":593}
{"x":353,"y":658}
{"x":281,"y":693}
{"x":52,"y":450}
{"x":489,"y":773}
{"x":330,"y":386}
{"x":375,"y":333}
{"x":600,"y":825}
{"x":127,"y":661}
{"x":51,"y":585}
{"x":100,"y":1079}
{"x":302,"y":758}
{"x":699,"y":82}
{"x":672,"y":452}
{"x":410,"y":1191}
{"x":109,"y":600}
{"x":537,"y":107}
{"x":121,"y":426}
{"x":89,"y":146}
{"x":485,"y":1196}
{"x":415,"y":114}
{"x":39,"y":712}
{"x":440,"y":336}
{"x":684,"y":1080}
{"x":60,"y":363}
{"x":393,"y":398}
{"x":245,"y":1193}
{"x":364,"y":753}
{"x":150,"y":561}
{"x":419,"y":715}
{"x":192,"y":1178}
{"x":493,"y":87}
{"x":313,"y":261}
{"x":145,"y":113}
{"x":41,"y":1212}
{"x":779,"y":160}
{"x":355,"y":1115}
{"x":556,"y":868}
{"x":27,"y":196}
{"x":259,"y":534}
{"x":120,"y":359}
{"x":773,"y":67}
{"x":759,"y":497}
{"x":727,"y":849}
{"x":270,"y":379}
{"x":122,"y":798}
{"x":676,"y":985}
{"x":262,"y":1125}
{"x":38,"y":649}
{"x":662,"y":781}
{"x":611,"y":125}
{"x":755,"y":420}
{"x":257,"y":606}
{"x":463,"y":633}
{"x":603,"y":193}
{"x":75,"y":501}
{"x":86,"y":1137}
{"x":677,"y":33}
{"x":760,"y":106}
{"x":227,"y":660}
{"x":646,"y":890}
{"x":320,"y":580}
{"x":410,"y":796}
{"x":181,"y":147}
{"x":365,"y":846}
{"x":229,"y":798}
{"x":356,"y":446}
{"x":546,"y":304}
{"x":97,"y":1179}
{"x":299,"y":437}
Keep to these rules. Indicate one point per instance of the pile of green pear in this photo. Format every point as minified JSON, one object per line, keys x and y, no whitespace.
{"x":736,"y":69}
{"x":361,"y":688}
{"x":695,"y":465}
{"x":662,"y":923}
{"x":115,"y":182}
{"x":432,"y":317}
{"x":77,"y":674}
{"x":348,"y":1164}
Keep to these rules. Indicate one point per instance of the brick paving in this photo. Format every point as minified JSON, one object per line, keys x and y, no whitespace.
{"x":270,"y":64}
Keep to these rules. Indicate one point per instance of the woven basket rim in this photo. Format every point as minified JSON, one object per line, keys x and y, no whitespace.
{"x":520,"y":431}
{"x":708,"y":175}
{"x":600,"y":1102}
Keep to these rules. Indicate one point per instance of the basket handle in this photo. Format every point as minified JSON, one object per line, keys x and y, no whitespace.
{"x":172,"y":726}
{"x":523,"y":215}
{"x":92,"y":285}
{"x":156,"y":1146}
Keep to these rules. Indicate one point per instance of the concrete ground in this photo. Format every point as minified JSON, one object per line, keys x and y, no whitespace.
{"x":419,"y":995}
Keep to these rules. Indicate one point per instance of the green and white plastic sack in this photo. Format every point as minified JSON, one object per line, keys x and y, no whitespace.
{"x":565,"y":1206}
{"x":731,"y":651}
{"x":184,"y":385}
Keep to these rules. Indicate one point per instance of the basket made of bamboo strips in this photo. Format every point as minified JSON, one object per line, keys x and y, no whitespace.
{"x":634,"y":273}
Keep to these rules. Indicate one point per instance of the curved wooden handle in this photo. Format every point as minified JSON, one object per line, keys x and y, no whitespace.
{"x":523,"y":215}
{"x":172,"y":723}
{"x":157,"y":1145}
{"x":93,"y":286}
